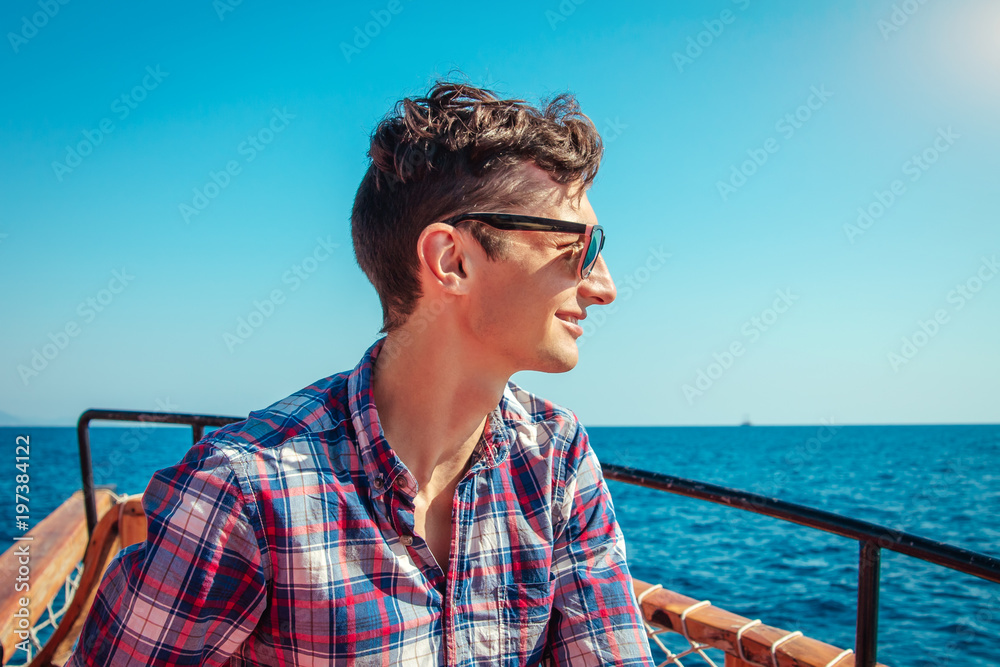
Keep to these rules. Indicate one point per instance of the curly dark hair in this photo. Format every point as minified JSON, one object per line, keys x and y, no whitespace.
{"x":457,"y":150}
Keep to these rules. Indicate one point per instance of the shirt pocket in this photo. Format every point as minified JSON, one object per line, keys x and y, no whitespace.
{"x":525,"y":609}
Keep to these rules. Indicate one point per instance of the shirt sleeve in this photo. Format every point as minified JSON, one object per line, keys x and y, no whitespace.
{"x":195,"y":589}
{"x":596,"y":619}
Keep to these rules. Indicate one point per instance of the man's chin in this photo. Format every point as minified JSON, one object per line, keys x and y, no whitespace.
{"x":560,"y":360}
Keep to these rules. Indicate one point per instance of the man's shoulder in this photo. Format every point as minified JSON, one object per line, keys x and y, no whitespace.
{"x":321,"y":406}
{"x":524,"y":405}
{"x":548,"y":440}
{"x":539,"y":421}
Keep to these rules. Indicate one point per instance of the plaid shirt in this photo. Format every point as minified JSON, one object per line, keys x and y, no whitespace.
{"x":288,"y":539}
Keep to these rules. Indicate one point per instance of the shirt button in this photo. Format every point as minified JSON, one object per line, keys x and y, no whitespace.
{"x":406,"y":540}
{"x":377,"y":483}
{"x":400,"y":482}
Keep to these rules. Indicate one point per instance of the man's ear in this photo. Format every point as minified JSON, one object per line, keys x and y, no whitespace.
{"x":445,"y":255}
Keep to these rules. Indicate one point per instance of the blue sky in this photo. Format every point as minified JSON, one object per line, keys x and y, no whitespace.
{"x":742,"y":140}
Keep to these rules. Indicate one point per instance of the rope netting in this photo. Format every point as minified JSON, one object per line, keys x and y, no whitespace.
{"x":694,"y":648}
{"x":698,"y":650}
{"x":48,"y":621}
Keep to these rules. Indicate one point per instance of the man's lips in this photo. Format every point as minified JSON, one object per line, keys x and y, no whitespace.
{"x":572,"y":321}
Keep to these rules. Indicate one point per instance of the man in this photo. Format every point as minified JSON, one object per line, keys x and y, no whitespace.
{"x":420,"y":509}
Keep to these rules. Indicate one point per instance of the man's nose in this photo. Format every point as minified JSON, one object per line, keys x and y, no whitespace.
{"x":598,"y":286}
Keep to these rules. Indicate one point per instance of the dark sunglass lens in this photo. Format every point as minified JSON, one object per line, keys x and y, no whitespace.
{"x":593,"y":250}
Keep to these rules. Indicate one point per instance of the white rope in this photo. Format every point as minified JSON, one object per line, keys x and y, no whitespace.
{"x":739,"y":637}
{"x":840,"y":657}
{"x":696,"y":647}
{"x":52,"y":616}
{"x":671,"y":658}
{"x":649,"y":590}
{"x":684,"y":625}
{"x":119,"y":498}
{"x":774,"y":647}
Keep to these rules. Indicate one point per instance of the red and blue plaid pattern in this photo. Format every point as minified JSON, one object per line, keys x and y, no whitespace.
{"x":287,"y":539}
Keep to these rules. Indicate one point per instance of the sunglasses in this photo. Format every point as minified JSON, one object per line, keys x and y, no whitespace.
{"x":512,"y":222}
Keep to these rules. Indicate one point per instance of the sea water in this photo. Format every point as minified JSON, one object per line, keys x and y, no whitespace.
{"x":939,"y":482}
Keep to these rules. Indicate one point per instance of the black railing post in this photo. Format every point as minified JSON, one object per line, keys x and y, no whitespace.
{"x":87,"y":471}
{"x":196,"y":422}
{"x":866,"y":633}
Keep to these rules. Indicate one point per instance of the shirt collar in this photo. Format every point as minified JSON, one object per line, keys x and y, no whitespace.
{"x":494,"y":446}
{"x":381,"y":464}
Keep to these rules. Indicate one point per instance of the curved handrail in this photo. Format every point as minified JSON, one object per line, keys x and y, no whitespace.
{"x":752,"y":642}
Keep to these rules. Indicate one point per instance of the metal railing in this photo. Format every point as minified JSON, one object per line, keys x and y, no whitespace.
{"x":196,"y":422}
{"x":872,"y":538}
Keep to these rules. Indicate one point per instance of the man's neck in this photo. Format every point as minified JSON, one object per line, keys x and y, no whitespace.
{"x":433,"y":393}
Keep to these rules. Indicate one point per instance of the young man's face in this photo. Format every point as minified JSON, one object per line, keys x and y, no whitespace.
{"x":527,"y":306}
